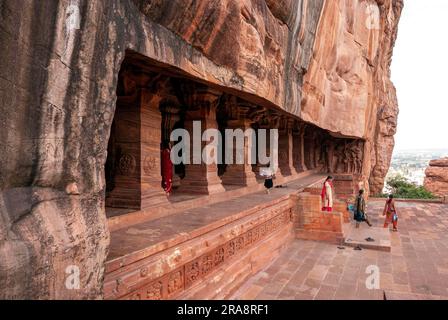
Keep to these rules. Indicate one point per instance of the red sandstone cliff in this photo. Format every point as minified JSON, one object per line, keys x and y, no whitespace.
{"x":59,"y":64}
{"x":326,"y":61}
{"x":347,"y":88}
{"x":436,"y":180}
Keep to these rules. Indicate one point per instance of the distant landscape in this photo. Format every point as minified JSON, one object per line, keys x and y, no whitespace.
{"x":412,"y":163}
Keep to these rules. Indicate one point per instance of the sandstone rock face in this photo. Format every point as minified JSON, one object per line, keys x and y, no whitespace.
{"x":59,"y":65}
{"x":347,"y":88}
{"x":266,"y":45}
{"x":436,"y":180}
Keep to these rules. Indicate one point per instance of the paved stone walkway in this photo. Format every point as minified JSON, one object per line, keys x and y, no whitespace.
{"x":416,"y":268}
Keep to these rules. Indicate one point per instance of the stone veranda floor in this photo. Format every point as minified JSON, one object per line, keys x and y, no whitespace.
{"x":416,"y":267}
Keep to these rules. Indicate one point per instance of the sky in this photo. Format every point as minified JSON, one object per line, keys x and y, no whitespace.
{"x":419,"y":72}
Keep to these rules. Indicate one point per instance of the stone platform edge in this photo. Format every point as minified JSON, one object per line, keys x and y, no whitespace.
{"x":188,"y":265}
{"x":153,"y":213}
{"x":200,"y":267}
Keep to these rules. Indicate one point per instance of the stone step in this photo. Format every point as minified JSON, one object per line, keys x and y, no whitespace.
{"x":357,"y":237}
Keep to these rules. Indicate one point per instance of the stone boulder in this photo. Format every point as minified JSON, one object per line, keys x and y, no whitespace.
{"x":436,"y":180}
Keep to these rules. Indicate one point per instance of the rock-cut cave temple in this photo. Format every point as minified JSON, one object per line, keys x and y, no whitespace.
{"x":90,"y":91}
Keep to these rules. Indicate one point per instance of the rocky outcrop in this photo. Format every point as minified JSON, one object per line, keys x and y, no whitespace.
{"x":436,"y":180}
{"x":266,"y":45}
{"x":326,"y":62}
{"x":347,"y":88}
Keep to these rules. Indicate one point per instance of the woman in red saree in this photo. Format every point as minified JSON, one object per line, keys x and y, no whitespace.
{"x":327,"y":195}
{"x":167,"y":170}
{"x":391,"y":213}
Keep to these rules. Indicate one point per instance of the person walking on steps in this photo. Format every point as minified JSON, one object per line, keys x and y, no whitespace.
{"x":360,"y":210}
{"x":390,"y":212}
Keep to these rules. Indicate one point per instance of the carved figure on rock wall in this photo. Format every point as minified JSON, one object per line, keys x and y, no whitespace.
{"x":342,"y":159}
{"x":175,"y":282}
{"x":219,"y":256}
{"x":356,"y":156}
{"x":359,"y":157}
{"x":127,"y":164}
{"x":319,"y":160}
{"x":328,"y":155}
{"x":207,"y":264}
{"x":352,"y":158}
{"x":348,"y":157}
{"x":149,"y":164}
{"x":154,"y":291}
{"x":192,"y":272}
{"x":231,"y":248}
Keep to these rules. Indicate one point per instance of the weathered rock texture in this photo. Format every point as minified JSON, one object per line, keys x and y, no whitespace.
{"x":347,"y":88}
{"x":59,"y":67}
{"x":436,"y":180}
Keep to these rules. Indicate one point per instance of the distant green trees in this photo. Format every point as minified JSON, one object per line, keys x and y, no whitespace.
{"x":402,"y":188}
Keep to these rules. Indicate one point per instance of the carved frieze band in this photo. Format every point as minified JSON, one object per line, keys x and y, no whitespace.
{"x":191,"y":273}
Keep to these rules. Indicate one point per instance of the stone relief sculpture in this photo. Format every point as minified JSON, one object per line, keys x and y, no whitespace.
{"x":344,"y":156}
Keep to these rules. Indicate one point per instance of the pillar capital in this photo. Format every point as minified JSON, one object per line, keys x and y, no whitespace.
{"x":200,"y":97}
{"x":256,"y":114}
{"x":270,"y":120}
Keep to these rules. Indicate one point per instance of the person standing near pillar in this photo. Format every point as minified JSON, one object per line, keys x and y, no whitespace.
{"x":360,"y":210}
{"x":167,"y":169}
{"x":327,"y":194}
{"x":268,"y":175}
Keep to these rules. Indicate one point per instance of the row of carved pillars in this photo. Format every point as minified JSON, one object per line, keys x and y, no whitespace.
{"x":138,"y":129}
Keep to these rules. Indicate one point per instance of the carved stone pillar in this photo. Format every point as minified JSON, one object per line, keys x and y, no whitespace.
{"x":331,"y":160}
{"x":150,"y":140}
{"x":137,"y":179}
{"x":256,"y":115}
{"x":310,"y":145}
{"x":319,"y":157}
{"x":201,"y":178}
{"x":271,"y":121}
{"x":299,"y":148}
{"x":241,"y":174}
{"x":286,"y":164}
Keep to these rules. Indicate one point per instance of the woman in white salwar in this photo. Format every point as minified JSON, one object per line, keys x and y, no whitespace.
{"x":327,"y":194}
